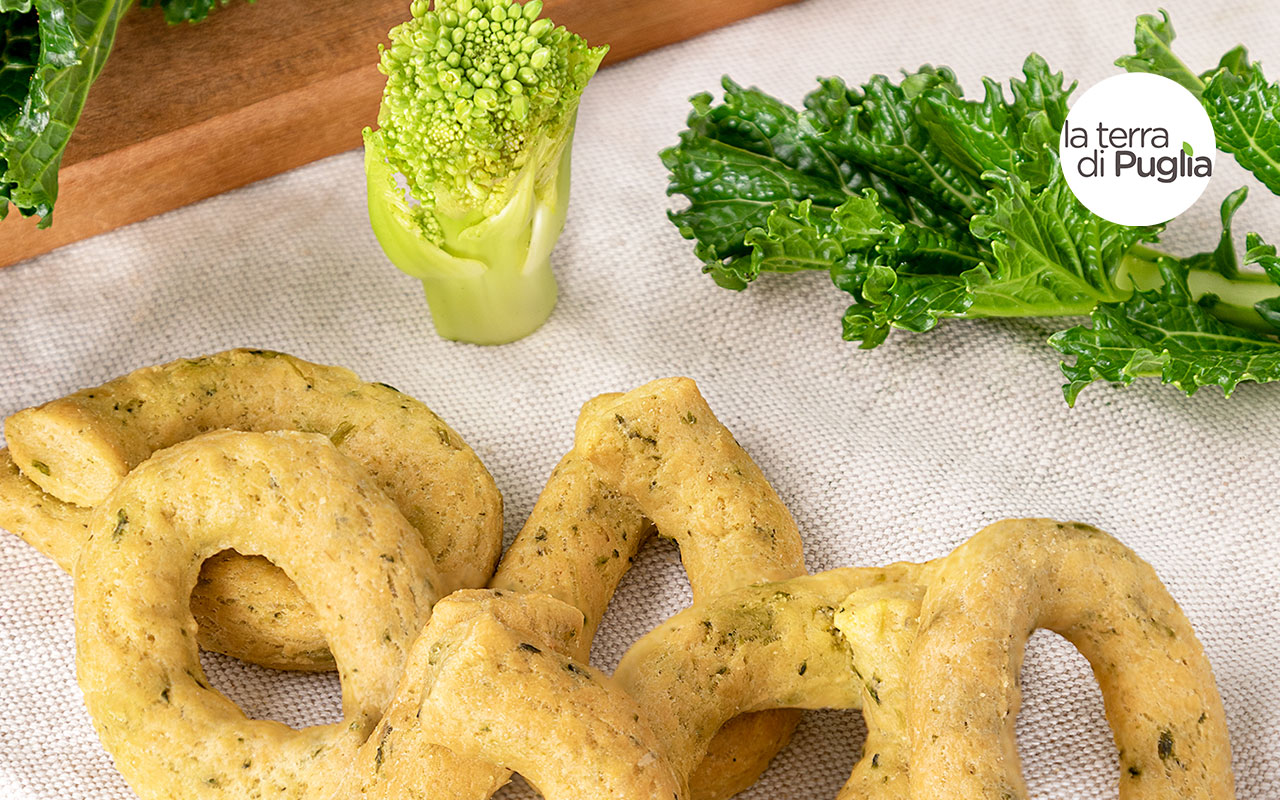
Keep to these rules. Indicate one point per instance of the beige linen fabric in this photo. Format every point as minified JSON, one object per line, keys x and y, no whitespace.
{"x":898,"y":453}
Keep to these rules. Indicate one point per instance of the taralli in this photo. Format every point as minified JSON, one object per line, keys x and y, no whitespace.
{"x":486,"y":688}
{"x":263,"y":621}
{"x":1159,"y":692}
{"x":932,"y":654}
{"x":662,"y":444}
{"x":78,"y":448}
{"x":497,"y":679}
{"x":759,"y":647}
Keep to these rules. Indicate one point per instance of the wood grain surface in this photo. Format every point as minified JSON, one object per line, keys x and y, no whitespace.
{"x":184,"y":112}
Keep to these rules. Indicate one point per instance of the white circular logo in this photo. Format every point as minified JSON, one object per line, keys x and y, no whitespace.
{"x":1137,"y":149}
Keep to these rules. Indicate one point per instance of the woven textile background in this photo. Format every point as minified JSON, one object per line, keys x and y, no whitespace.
{"x":898,"y":453}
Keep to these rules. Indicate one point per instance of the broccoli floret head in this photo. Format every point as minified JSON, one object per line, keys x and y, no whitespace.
{"x":468,"y":170}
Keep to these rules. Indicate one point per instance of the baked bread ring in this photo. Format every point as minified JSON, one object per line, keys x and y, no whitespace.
{"x":660,"y":450}
{"x":982,"y":603}
{"x":774,"y":645}
{"x":932,"y":653}
{"x":78,"y":448}
{"x":315,"y":513}
{"x":258,"y":622}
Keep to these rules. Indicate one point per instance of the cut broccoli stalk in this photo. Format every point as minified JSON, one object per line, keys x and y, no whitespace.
{"x":468,"y":171}
{"x":490,"y":280}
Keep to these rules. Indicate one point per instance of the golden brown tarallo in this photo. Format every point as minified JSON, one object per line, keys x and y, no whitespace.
{"x":656,"y":458}
{"x":66,"y":456}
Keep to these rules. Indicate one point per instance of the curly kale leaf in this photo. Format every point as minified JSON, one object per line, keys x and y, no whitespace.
{"x":1264,"y":255}
{"x":995,"y":133}
{"x":903,"y":247}
{"x":924,"y":205}
{"x":894,"y":298}
{"x":1153,"y":42}
{"x":1051,"y":256}
{"x":1165,"y":333}
{"x":772,"y":189}
{"x":735,"y":163}
{"x":797,"y":237}
{"x":1242,"y":105}
{"x":1222,"y":259}
{"x":1196,"y":321}
{"x":902,"y":275}
{"x":877,"y":126}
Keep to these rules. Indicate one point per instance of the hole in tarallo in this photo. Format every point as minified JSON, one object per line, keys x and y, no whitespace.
{"x":1063,"y":736}
{"x":654,"y":589}
{"x":297,"y":699}
{"x":817,"y":762}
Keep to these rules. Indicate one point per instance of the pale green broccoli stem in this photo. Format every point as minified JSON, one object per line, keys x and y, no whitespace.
{"x":494,"y":284}
{"x":1236,"y":297}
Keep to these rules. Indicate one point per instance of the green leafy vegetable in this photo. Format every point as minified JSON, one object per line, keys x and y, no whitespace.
{"x":176,"y":11}
{"x":477,"y":122}
{"x":735,"y":162}
{"x":1242,"y":105}
{"x":51,"y":51}
{"x":1165,"y":333}
{"x":878,"y":125}
{"x":1050,"y":256}
{"x":924,"y":205}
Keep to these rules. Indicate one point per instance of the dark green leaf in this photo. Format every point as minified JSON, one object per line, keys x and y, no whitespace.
{"x":1165,"y":334}
{"x":735,"y":162}
{"x":889,"y":298}
{"x":995,"y":134}
{"x":19,"y":51}
{"x":876,"y":128}
{"x":1243,"y":107}
{"x":1222,"y":259}
{"x":51,"y":51}
{"x":1264,"y":255}
{"x":925,"y":206}
{"x":74,"y":37}
{"x":901,"y":275}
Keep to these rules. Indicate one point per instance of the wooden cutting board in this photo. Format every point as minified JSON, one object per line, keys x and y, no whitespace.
{"x":185,"y":112}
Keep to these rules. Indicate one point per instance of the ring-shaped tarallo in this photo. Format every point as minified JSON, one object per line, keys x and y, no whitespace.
{"x":67,"y":455}
{"x":317,"y":515}
{"x":657,"y":458}
{"x":487,"y":687}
